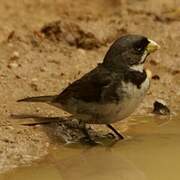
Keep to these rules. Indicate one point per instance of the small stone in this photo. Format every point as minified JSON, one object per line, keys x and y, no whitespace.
{"x":34,"y":80}
{"x":62,"y":74}
{"x":10,"y":127}
{"x":175,"y":72}
{"x":156,"y":77}
{"x":38,"y":109}
{"x":51,"y":112}
{"x":70,"y":39}
{"x":7,"y":140}
{"x":38,"y":34}
{"x":79,"y":72}
{"x":34,"y":86}
{"x":12,"y":65}
{"x":82,"y":51}
{"x":43,"y":69}
{"x":161,"y":108}
{"x":15,"y":55}
{"x":18,"y":77}
{"x":47,"y":144}
{"x":153,"y":62}
{"x":11,"y":35}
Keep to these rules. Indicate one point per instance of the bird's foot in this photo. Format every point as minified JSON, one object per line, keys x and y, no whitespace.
{"x":111,"y":136}
{"x":120,"y":137}
{"x":88,"y":140}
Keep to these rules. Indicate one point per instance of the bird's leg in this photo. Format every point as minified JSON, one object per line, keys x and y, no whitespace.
{"x":115,"y":131}
{"x":88,"y":138}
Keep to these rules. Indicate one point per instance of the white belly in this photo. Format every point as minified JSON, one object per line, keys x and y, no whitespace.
{"x":131,"y":101}
{"x":115,"y":112}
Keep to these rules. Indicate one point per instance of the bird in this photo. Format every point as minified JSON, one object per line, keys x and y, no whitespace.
{"x":113,"y":89}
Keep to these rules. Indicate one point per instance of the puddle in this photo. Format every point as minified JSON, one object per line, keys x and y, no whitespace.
{"x":152,"y":153}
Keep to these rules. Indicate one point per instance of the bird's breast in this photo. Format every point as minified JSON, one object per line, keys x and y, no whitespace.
{"x":132,"y":97}
{"x":110,"y":112}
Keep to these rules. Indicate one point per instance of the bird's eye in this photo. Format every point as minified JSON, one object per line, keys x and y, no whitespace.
{"x":139,"y":48}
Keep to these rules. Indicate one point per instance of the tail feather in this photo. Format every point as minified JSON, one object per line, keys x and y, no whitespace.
{"x":46,"y":99}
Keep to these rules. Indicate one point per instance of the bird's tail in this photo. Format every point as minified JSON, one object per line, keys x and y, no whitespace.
{"x":46,"y":99}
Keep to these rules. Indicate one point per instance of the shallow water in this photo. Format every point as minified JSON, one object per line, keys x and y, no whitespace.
{"x":151,"y":153}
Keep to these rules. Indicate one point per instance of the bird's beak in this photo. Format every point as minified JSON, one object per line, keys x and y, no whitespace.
{"x":152,"y":46}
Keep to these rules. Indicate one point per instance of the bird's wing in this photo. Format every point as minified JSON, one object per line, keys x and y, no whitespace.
{"x":95,"y":86}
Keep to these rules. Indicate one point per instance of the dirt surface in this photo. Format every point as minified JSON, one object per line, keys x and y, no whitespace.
{"x":45,"y":45}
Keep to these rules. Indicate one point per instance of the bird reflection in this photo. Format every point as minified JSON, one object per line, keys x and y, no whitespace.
{"x":97,"y":164}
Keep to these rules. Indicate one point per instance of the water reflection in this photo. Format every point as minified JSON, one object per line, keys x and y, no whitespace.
{"x":98,"y":163}
{"x":89,"y":164}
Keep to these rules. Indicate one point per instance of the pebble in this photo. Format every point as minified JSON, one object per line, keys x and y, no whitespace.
{"x":70,"y":39}
{"x":12,"y":65}
{"x":15,"y":55}
{"x":161,"y":108}
{"x":82,"y":51}
{"x":34,"y":86}
{"x":47,"y":144}
{"x":18,"y":77}
{"x":9,"y":128}
{"x":42,"y":69}
{"x":153,"y":62}
{"x":34,"y":80}
{"x":156,"y":77}
{"x":38,"y":109}
{"x":62,"y":74}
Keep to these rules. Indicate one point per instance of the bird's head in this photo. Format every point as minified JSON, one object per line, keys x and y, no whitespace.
{"x":129,"y":51}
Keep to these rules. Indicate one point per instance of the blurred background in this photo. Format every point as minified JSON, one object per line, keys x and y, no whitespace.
{"x":47,"y":44}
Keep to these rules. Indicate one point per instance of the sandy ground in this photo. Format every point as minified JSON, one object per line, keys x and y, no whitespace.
{"x":40,"y":60}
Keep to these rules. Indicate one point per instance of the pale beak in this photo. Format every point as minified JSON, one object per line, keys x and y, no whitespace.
{"x":152,"y":46}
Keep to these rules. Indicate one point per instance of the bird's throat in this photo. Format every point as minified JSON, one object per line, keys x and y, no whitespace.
{"x":137,"y":67}
{"x":135,"y":77}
